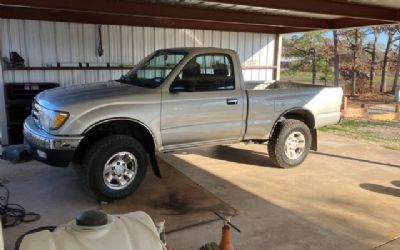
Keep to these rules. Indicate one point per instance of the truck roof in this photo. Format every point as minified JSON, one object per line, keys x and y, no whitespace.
{"x":196,"y":49}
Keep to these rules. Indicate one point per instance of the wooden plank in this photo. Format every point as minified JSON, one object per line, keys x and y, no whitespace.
{"x":355,"y":113}
{"x":340,"y":8}
{"x":385,"y":117}
{"x":176,"y":11}
{"x":124,"y":67}
{"x":3,"y":113}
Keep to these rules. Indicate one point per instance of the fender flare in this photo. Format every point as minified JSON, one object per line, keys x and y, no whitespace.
{"x":281,"y":118}
{"x":150,"y":151}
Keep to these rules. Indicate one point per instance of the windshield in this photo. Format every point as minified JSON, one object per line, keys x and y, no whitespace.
{"x":152,"y":71}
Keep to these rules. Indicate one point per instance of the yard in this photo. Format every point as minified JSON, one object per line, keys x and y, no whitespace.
{"x":306,"y":77}
{"x":383,"y":133}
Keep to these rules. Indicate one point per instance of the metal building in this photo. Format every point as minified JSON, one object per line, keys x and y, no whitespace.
{"x":43,"y":44}
{"x":67,"y":33}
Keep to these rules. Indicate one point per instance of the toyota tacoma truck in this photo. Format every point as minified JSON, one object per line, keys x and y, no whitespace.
{"x":173,"y":99}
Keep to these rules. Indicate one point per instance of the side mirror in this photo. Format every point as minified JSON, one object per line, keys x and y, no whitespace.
{"x":177,"y":87}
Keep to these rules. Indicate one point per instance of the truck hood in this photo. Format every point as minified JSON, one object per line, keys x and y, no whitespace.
{"x":62,"y":97}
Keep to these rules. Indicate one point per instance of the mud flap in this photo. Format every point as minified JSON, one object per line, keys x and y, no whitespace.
{"x":314,"y":143}
{"x":154,"y":164}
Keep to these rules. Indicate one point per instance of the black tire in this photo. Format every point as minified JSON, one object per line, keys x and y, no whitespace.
{"x":96,"y":157}
{"x":276,"y":145}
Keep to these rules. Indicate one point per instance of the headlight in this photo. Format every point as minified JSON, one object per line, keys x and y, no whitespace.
{"x":51,"y":120}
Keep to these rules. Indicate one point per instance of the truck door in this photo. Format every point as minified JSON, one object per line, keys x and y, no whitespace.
{"x":204,"y":103}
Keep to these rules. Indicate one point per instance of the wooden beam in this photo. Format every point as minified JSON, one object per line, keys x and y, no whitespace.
{"x":3,"y":112}
{"x":277,"y":57}
{"x":176,"y":11}
{"x":345,"y":9}
{"x":353,"y":23}
{"x":96,"y":18}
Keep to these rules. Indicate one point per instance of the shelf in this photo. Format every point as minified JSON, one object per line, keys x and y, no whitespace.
{"x":127,"y":67}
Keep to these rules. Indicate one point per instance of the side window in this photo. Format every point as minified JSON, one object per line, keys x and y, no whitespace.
{"x":210,"y":72}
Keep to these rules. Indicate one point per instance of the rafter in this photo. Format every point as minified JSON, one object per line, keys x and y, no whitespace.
{"x":123,"y":19}
{"x":328,"y":7}
{"x":175,"y":11}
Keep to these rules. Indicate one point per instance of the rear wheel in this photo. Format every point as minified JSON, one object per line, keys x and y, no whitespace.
{"x":290,"y":146}
{"x":114,"y":167}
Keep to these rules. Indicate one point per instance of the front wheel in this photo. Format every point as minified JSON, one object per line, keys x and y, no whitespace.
{"x":114,"y":167}
{"x":290,"y":146}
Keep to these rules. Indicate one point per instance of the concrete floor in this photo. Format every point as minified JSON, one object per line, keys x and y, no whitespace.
{"x":346,"y":196}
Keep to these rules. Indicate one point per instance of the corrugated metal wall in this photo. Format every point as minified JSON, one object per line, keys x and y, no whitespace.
{"x":42,"y":43}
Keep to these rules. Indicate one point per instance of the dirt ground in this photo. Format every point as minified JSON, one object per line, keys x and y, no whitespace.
{"x":383,"y":133}
{"x":377,"y":102}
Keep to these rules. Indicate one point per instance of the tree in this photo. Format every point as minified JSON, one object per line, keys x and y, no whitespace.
{"x":372,"y":50}
{"x":336,"y":57}
{"x":389,"y":30}
{"x":396,"y":77}
{"x":353,"y":39}
{"x":311,"y":53}
{"x":355,"y":57}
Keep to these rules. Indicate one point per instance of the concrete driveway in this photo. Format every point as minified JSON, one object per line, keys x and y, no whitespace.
{"x":345,"y":196}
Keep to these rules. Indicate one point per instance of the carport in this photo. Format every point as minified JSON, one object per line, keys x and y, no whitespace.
{"x":58,"y":50}
{"x":60,"y":42}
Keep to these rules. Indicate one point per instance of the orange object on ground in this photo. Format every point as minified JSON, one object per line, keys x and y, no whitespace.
{"x":226,"y":243}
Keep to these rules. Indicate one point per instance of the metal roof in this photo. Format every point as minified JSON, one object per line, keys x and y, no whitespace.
{"x":239,"y":7}
{"x":383,"y":3}
{"x":273,"y":16}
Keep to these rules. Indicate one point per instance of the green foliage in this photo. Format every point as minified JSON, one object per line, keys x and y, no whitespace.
{"x":301,"y":48}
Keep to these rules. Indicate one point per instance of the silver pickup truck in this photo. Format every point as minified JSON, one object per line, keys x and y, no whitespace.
{"x":173,"y":99}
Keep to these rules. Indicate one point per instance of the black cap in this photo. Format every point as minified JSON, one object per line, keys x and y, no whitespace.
{"x":93,"y":218}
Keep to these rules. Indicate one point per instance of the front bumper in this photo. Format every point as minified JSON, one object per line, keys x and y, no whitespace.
{"x":54,"y":150}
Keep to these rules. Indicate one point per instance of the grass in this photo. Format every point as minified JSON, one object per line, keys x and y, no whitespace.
{"x":304,"y":75}
{"x":384,"y":133}
{"x":307,"y":76}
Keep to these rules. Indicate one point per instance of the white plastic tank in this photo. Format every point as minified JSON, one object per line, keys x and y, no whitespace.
{"x":1,"y":236}
{"x":134,"y":231}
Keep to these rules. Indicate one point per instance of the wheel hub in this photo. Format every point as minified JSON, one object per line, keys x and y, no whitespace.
{"x":294,"y":145}
{"x":120,"y":170}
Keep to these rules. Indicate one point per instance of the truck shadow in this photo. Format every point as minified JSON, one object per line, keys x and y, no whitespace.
{"x":235,"y":155}
{"x":382,"y":189}
{"x":396,"y":183}
{"x":356,"y":159}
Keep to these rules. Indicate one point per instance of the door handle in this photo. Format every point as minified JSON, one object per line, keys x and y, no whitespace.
{"x":232,"y":101}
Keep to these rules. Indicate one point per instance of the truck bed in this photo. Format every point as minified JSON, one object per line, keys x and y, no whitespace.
{"x":266,"y":103}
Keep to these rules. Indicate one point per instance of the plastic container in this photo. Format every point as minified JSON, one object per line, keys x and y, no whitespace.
{"x":1,"y":237}
{"x":130,"y":231}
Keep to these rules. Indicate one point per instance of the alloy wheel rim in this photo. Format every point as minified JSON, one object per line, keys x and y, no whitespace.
{"x":295,"y":145}
{"x":120,"y":170}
